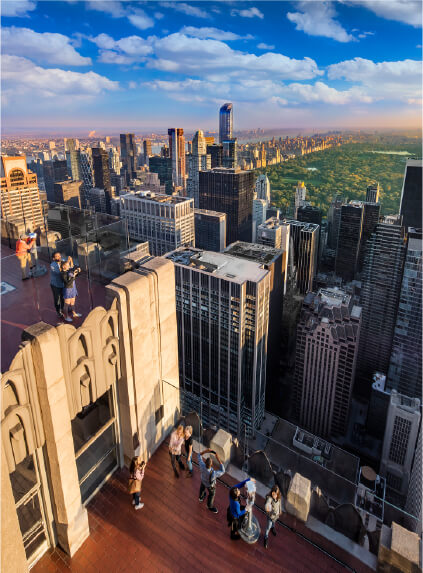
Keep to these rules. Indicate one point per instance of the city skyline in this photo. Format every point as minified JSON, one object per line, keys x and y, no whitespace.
{"x":84,"y":66}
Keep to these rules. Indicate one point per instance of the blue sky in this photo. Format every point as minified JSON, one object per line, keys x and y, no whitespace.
{"x":109,"y":65}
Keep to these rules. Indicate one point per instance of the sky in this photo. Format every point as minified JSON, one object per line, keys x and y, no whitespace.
{"x":109,"y":65}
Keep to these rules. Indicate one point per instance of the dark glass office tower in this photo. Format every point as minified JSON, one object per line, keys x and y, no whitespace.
{"x":309,"y":214}
{"x":163,"y":167}
{"x":334,"y":221}
{"x":371,"y":213}
{"x":54,"y":171}
{"x":411,"y":196}
{"x":349,"y":237}
{"x":101,"y":173}
{"x":230,"y":191}
{"x":230,"y":153}
{"x":372,"y":195}
{"x":128,"y":155}
{"x":381,"y":285}
{"x":216,"y":152}
{"x":225,"y":122}
{"x":405,"y":369}
{"x":305,"y":241}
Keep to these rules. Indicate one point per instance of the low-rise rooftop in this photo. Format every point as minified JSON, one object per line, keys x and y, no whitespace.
{"x":222,"y":265}
{"x":156,"y":197}
{"x":263,"y":254}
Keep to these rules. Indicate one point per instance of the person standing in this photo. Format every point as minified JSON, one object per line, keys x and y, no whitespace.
{"x":188,"y":449}
{"x":31,"y":241}
{"x":208,"y":478}
{"x":23,"y":248}
{"x":136,"y":471}
{"x":237,"y":512}
{"x":273,"y":508}
{"x":175,"y":445}
{"x":56,"y":283}
{"x":69,"y":273}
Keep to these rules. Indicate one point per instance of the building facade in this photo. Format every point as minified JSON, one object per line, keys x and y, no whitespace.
{"x":325,"y":360}
{"x":128,"y":154}
{"x":230,"y":191}
{"x":305,"y":241}
{"x":163,"y":167}
{"x":166,"y":222}
{"x":20,"y":196}
{"x":372,"y":194}
{"x":380,"y":293}
{"x":263,"y":188}
{"x":259,"y":216}
{"x":215,"y":150}
{"x":177,"y":156}
{"x":399,"y":444}
{"x":69,"y":193}
{"x":222,"y":305}
{"x":411,"y":195}
{"x":405,"y":367}
{"x":210,"y":230}
{"x":198,"y":161}
{"x":101,"y":174}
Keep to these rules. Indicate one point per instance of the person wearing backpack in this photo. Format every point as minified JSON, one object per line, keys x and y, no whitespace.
{"x":273,"y":508}
{"x":236,"y":511}
{"x":208,"y":478}
{"x":136,"y":470}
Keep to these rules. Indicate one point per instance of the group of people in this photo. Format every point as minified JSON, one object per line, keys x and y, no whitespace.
{"x":62,"y":281}
{"x":63,"y":273}
{"x":236,"y":512}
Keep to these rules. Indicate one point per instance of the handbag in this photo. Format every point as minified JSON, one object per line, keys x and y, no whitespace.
{"x":134,"y":485}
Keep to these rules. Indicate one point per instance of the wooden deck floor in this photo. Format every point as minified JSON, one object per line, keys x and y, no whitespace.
{"x":175,"y":533}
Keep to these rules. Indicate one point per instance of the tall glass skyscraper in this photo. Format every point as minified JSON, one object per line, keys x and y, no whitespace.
{"x":225,"y":122}
{"x":405,"y":368}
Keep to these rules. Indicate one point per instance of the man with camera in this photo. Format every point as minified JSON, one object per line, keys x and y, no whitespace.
{"x":208,"y":478}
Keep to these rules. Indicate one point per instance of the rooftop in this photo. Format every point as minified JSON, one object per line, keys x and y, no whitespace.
{"x":222,"y":265}
{"x":307,"y":226}
{"x":157,"y":197}
{"x":333,"y":296}
{"x":209,"y":213}
{"x":175,"y":533}
{"x":273,"y":223}
{"x":263,"y":254}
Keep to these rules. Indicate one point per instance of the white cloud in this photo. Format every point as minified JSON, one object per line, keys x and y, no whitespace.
{"x":124,"y":51}
{"x":17,"y":8}
{"x":20,"y":77}
{"x":112,"y":7}
{"x":140,"y":20}
{"x":212,"y":33}
{"x":179,"y":53}
{"x":263,"y":46}
{"x":406,"y":11}
{"x":252,"y":12}
{"x":321,"y":92}
{"x":390,"y":80}
{"x":187,"y":9}
{"x":136,"y":16}
{"x":318,"y":19}
{"x":44,"y":47}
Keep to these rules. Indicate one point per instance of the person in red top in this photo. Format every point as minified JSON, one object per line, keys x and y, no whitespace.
{"x":23,"y":249}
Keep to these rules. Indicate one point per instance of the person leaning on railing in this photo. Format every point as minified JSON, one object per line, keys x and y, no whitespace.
{"x":273,"y":508}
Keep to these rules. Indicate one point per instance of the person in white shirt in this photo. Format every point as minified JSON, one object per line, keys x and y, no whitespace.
{"x":177,"y":438}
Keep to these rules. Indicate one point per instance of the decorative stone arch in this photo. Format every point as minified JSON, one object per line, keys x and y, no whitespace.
{"x":17,"y":436}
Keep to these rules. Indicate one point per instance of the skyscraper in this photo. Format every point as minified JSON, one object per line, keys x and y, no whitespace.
{"x":147,"y":150}
{"x":225,"y":122}
{"x":413,"y":503}
{"x":372,"y":195}
{"x":381,"y":285}
{"x":222,"y":312}
{"x":399,"y":444}
{"x":53,"y":171}
{"x":325,"y":360}
{"x":309,"y":214}
{"x":405,"y":368}
{"x":274,"y":261}
{"x":128,"y":153}
{"x":163,"y":167}
{"x":259,"y":215}
{"x":177,"y":155}
{"x":263,"y":188}
{"x":210,"y":230}
{"x":165,"y":221}
{"x":229,"y":191}
{"x":101,"y":173}
{"x":230,"y":153}
{"x":299,"y":197}
{"x":305,"y":240}
{"x":20,"y":197}
{"x":198,"y":161}
{"x":334,"y":221}
{"x":411,"y":195}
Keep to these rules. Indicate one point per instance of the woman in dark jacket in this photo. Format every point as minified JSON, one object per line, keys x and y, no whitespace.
{"x":236,"y":511}
{"x":68,"y":274}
